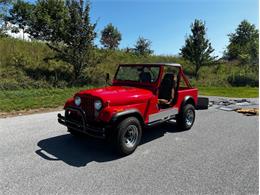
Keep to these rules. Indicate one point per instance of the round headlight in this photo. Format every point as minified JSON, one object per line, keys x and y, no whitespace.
{"x":77,"y":100}
{"x":98,"y":105}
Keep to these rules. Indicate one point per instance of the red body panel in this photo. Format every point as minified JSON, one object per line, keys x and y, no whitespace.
{"x":126,"y":95}
{"x":119,"y":95}
{"x":184,"y":92}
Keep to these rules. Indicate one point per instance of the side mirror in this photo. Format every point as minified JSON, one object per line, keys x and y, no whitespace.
{"x":107,"y":78}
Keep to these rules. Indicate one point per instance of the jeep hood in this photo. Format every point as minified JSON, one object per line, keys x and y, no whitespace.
{"x":119,"y":95}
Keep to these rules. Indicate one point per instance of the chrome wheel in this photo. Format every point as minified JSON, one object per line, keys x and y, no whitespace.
{"x":189,"y":117}
{"x":131,"y":136}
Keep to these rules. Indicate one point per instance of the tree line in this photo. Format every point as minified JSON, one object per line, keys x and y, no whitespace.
{"x":65,"y":26}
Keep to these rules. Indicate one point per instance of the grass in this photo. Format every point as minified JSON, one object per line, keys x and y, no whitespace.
{"x":51,"y":98}
{"x":238,"y":92}
{"x":34,"y":98}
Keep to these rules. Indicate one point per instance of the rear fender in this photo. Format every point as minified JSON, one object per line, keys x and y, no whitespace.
{"x":188,"y":100}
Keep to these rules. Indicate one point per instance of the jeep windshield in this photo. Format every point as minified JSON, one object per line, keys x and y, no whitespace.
{"x":141,"y":74}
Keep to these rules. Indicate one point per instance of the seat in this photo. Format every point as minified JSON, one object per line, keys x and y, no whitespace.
{"x":145,"y":77}
{"x":166,"y":89}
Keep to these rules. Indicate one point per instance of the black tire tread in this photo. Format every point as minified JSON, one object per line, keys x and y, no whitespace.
{"x":120,"y":130}
{"x":181,"y":117}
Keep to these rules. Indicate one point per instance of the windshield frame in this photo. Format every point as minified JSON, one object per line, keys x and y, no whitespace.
{"x":117,"y":81}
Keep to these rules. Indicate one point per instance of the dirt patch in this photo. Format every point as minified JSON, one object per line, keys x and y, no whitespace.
{"x":248,"y":112}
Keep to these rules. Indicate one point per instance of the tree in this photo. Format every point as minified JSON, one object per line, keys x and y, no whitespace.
{"x":4,"y":4}
{"x":110,"y":37}
{"x":143,"y":46}
{"x":243,"y":44}
{"x":67,"y":29}
{"x":48,"y":21}
{"x":20,"y":15}
{"x":197,"y":48}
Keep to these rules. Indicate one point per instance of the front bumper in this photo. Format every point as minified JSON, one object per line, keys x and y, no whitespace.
{"x":81,"y":124}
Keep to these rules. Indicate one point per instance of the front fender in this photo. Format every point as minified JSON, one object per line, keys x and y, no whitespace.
{"x":112,"y":114}
{"x":69,"y":102}
{"x":125,"y":113}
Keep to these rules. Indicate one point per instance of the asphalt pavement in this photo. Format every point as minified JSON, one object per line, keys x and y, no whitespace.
{"x":219,"y":155}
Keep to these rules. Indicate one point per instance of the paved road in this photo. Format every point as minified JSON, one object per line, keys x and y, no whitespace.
{"x":219,"y":155}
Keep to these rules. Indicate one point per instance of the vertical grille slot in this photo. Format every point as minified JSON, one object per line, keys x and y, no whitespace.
{"x":88,"y":106}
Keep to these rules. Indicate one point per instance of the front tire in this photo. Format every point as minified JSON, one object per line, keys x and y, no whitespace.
{"x":186,"y":117}
{"x":128,"y":135}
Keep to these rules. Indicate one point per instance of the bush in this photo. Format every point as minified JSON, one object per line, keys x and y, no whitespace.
{"x":9,"y":84}
{"x":94,"y":76}
{"x":243,"y":80}
{"x":13,"y":84}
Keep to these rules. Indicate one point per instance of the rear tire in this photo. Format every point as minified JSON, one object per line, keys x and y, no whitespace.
{"x":186,"y":117}
{"x":128,"y":135}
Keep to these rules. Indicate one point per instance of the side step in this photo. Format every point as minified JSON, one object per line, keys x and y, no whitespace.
{"x":158,"y":122}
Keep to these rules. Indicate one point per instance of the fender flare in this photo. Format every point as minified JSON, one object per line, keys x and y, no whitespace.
{"x":125,"y":113}
{"x":188,"y":100}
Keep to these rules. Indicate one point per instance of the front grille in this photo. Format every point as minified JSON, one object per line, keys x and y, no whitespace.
{"x":75,"y":117}
{"x":88,"y":106}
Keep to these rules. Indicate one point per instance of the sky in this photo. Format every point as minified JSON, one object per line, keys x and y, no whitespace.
{"x":167,"y":22}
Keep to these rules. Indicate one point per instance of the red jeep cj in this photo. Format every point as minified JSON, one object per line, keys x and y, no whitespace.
{"x":141,"y":95}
